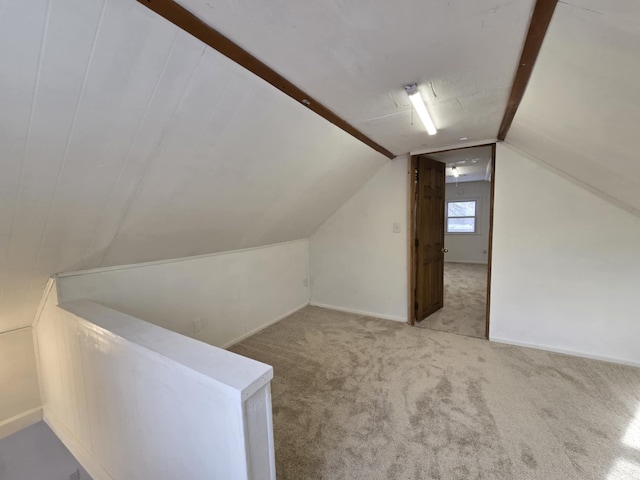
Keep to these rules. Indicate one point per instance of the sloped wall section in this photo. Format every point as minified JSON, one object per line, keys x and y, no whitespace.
{"x":125,"y":140}
{"x":581,"y":108}
{"x":565,"y":265}
{"x":218,"y":299}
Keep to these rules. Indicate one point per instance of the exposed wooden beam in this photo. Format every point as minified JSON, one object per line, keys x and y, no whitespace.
{"x":188,"y":22}
{"x":540,"y":20}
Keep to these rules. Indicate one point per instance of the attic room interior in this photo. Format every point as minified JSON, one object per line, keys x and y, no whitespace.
{"x":233,"y":243}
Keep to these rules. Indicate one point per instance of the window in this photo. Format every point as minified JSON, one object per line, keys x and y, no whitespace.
{"x":461,"y":216}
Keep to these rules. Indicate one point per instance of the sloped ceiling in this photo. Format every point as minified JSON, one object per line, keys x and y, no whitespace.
{"x":472,"y":163}
{"x":354,"y":56}
{"x":581,"y":109}
{"x":123,"y":139}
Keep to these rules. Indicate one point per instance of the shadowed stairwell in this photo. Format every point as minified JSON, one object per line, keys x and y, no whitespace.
{"x":361,"y":398}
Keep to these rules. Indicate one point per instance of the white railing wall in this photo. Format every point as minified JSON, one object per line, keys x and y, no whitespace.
{"x":132,"y":400}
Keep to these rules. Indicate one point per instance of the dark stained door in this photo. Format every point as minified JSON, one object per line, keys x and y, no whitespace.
{"x":429,"y":240}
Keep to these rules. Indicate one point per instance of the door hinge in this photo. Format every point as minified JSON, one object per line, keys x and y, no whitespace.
{"x":417,"y":242}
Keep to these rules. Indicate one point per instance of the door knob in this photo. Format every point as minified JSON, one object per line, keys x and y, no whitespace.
{"x":444,"y":250}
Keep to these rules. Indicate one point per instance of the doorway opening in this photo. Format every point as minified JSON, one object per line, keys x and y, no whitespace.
{"x":450,"y":231}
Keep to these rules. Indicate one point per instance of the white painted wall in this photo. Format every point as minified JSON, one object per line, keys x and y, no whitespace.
{"x":132,"y":400}
{"x":566,"y":268}
{"x":232,"y":294}
{"x":35,"y":453}
{"x":357,"y":261}
{"x":19,"y":394}
{"x":470,"y":247}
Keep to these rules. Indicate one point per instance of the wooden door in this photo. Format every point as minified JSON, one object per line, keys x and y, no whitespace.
{"x":429,"y":241}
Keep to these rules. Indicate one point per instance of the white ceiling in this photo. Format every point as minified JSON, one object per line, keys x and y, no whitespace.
{"x":472,"y":163}
{"x":355,"y":56}
{"x":123,"y":140}
{"x":581,"y":110}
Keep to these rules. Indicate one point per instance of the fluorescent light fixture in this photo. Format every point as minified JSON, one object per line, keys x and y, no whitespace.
{"x":455,"y":172}
{"x":421,"y":108}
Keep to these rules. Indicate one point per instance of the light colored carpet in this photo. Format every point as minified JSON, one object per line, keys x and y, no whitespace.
{"x":362,"y":398}
{"x":465,"y":301}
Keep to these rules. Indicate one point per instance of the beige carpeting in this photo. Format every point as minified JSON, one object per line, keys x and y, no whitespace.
{"x":362,"y":398}
{"x":465,"y":301}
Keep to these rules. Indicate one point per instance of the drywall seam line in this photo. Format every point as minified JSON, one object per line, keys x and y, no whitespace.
{"x":153,"y":157}
{"x":66,"y":153}
{"x":25,"y":147}
{"x":133,"y":142}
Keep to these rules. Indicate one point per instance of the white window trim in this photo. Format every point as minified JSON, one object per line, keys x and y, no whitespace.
{"x":478,"y":201}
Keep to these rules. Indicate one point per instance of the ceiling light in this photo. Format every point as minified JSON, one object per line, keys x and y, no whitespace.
{"x":464,"y":138}
{"x":421,"y":108}
{"x":455,"y":172}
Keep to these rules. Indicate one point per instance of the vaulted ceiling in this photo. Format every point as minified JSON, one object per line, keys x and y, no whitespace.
{"x":124,"y":139}
{"x":355,"y":56}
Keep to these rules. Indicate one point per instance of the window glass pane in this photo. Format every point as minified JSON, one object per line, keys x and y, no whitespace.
{"x":462,"y":209}
{"x":461,"y":225}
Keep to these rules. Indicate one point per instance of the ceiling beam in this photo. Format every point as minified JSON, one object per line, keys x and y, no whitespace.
{"x":540,"y":20}
{"x":191,"y":24}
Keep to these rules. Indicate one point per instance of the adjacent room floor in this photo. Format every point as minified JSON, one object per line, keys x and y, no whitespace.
{"x":465,"y":301}
{"x":361,"y":398}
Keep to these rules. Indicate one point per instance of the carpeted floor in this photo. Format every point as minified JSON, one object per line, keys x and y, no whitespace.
{"x":362,"y":398}
{"x":465,"y":301}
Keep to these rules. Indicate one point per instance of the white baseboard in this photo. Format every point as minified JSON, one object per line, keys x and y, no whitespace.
{"x":262,"y":327}
{"x":359,"y":312}
{"x":84,"y":457}
{"x":20,"y":422}
{"x":573,"y":353}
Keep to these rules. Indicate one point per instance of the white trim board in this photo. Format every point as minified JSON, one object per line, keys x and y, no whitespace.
{"x":20,"y":422}
{"x":478,"y":143}
{"x":573,"y":353}
{"x":359,"y":312}
{"x":268,"y":324}
{"x":170,"y":260}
